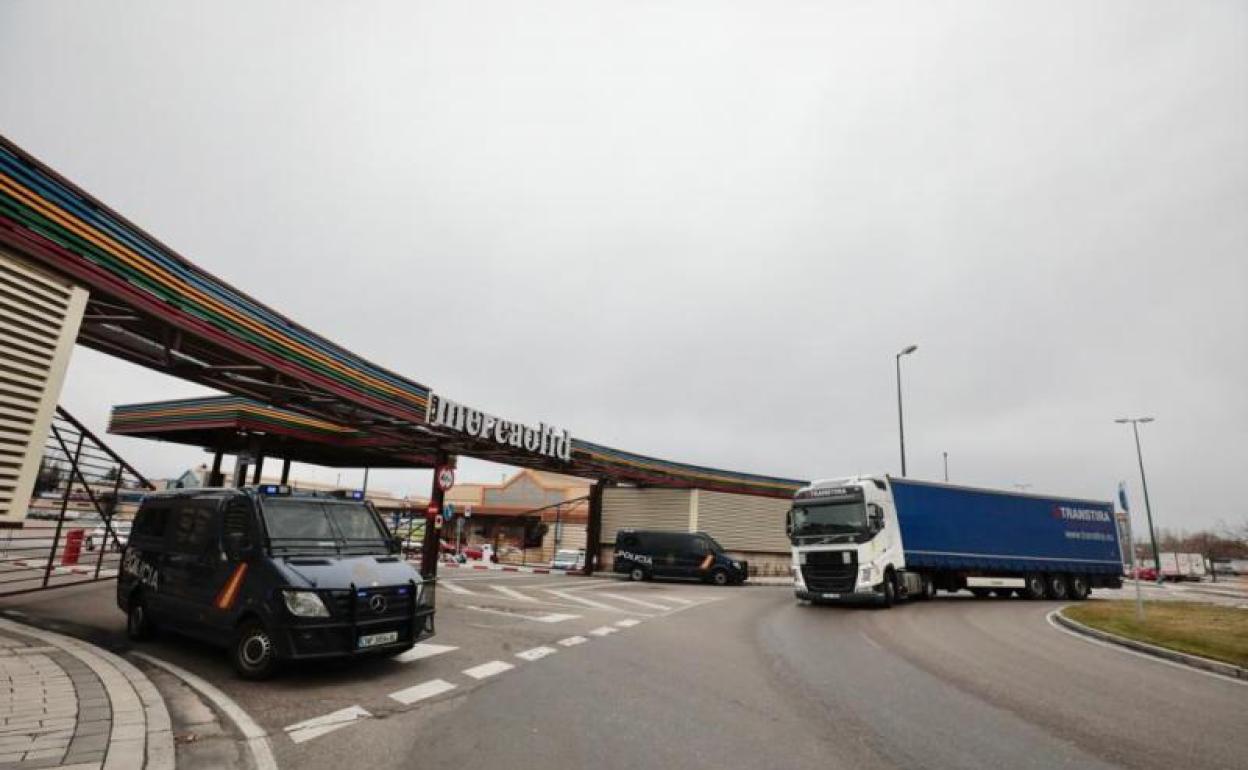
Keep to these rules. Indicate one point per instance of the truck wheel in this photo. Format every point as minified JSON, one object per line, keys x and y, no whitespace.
{"x":981,"y":593}
{"x":1079,"y":588}
{"x":1033,"y":586}
{"x":253,"y":655}
{"x":927,"y":588}
{"x":720,"y":577}
{"x":637,"y":574}
{"x":1058,"y":588}
{"x":139,"y":626}
{"x":889,"y":595}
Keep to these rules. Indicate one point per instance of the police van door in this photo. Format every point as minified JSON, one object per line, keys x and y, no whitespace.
{"x":193,"y":560}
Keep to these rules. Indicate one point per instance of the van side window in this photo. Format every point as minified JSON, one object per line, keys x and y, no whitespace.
{"x":237,"y":519}
{"x":150,"y":522}
{"x":629,"y":541}
{"x":193,"y":526}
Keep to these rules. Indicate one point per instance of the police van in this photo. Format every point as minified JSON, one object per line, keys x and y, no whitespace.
{"x":272,"y":575}
{"x":646,"y":554}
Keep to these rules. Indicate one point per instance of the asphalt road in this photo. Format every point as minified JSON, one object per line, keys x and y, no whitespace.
{"x":698,"y":677}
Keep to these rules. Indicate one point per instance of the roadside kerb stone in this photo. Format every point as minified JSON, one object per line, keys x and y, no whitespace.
{"x":119,"y":721}
{"x":1195,"y":661}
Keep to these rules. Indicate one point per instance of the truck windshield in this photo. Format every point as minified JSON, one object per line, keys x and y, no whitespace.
{"x":815,"y":519}
{"x":311,"y":525}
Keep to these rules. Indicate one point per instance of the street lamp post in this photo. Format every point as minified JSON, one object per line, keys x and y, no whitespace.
{"x":1148,"y":508}
{"x":901,"y":423}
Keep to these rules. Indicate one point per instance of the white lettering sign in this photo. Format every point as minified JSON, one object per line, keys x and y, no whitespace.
{"x":544,"y":439}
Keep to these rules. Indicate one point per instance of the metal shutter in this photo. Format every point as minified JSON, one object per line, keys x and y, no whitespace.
{"x":744,"y":522}
{"x":631,"y":508}
{"x":39,"y":318}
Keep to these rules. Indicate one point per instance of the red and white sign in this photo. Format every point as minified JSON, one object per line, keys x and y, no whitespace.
{"x":446,"y":477}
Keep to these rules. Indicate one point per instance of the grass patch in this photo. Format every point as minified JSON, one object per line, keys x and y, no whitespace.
{"x":1210,"y":630}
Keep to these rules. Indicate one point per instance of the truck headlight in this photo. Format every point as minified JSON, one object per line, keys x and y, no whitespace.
{"x":865,"y":574}
{"x":305,"y":604}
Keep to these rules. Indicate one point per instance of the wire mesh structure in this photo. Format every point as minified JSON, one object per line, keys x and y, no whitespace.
{"x":79,"y":519}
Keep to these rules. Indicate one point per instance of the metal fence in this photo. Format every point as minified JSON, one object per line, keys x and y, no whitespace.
{"x":79,"y":518}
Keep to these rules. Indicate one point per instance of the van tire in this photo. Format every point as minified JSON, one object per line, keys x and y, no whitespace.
{"x":636,"y":574}
{"x":1057,"y":586}
{"x":253,"y":655}
{"x":720,"y":577}
{"x":139,"y":626}
{"x":1034,"y":586}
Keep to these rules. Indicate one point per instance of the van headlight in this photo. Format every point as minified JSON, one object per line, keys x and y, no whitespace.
{"x":305,"y":604}
{"x":736,"y":565}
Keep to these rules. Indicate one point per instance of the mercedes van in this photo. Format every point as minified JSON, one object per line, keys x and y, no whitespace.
{"x":646,"y":554}
{"x":272,"y":575}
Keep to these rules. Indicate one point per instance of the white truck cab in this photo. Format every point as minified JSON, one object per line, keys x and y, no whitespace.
{"x":847,"y":543}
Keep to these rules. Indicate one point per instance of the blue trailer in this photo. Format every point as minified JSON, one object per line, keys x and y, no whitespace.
{"x":882,"y":539}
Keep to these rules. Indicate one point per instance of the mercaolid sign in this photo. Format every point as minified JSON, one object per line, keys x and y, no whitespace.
{"x":544,"y":439}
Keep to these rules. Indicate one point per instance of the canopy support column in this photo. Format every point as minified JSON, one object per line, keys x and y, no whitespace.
{"x":431,"y":545}
{"x":593,"y":528}
{"x":285,"y":471}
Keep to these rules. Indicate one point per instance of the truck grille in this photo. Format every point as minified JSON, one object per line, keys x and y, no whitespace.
{"x":827,"y":571}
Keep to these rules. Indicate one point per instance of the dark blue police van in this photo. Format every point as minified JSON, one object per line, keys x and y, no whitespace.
{"x":272,"y":575}
{"x":647,"y":554}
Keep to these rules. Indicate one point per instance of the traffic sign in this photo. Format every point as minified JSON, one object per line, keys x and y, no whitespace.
{"x":467,"y":511}
{"x":432,"y":510}
{"x":446,"y":477}
{"x":437,"y":521}
{"x":448,"y":512}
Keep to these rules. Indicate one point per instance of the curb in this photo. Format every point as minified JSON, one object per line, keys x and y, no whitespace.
{"x":134,"y":701}
{"x":1194,"y":661}
{"x":511,"y":568}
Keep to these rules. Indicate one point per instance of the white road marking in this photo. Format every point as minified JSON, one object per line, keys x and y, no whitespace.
{"x":327,"y":723}
{"x":872,"y":642}
{"x":454,"y":588}
{"x":537,"y":653}
{"x":493,"y":668}
{"x":513,"y":593}
{"x":603,"y":631}
{"x":257,"y":739}
{"x":572,"y":641}
{"x":422,"y":651}
{"x":550,"y":617}
{"x":422,"y":691}
{"x":680,"y":599}
{"x":627,"y":622}
{"x":638,"y":602}
{"x":587,"y":602}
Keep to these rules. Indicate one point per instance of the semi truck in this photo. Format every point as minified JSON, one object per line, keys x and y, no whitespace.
{"x":882,"y":539}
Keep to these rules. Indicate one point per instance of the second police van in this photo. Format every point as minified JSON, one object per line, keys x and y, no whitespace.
{"x":272,"y":576}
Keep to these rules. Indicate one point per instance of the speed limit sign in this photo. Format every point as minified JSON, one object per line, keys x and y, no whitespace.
{"x":446,"y":477}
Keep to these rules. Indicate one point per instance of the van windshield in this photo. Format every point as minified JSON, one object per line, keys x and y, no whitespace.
{"x":297,"y":525}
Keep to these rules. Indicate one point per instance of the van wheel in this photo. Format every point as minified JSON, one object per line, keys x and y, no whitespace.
{"x":253,"y":655}
{"x":637,"y":574}
{"x":719,"y":576}
{"x":1079,"y":588}
{"x":1058,"y":588}
{"x":1033,"y":586}
{"x":139,"y":626}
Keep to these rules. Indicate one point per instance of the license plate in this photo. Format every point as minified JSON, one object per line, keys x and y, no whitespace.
{"x":831,"y":596}
{"x":372,"y":640}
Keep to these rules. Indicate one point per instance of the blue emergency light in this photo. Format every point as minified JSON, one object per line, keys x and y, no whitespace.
{"x":274,"y":489}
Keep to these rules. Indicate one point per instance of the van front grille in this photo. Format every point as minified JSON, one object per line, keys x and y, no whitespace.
{"x":373,"y":603}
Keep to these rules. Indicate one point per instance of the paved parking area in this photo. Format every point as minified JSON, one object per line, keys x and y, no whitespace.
{"x":489,"y":625}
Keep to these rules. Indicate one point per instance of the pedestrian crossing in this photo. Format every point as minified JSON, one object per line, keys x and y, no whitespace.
{"x":542,"y":603}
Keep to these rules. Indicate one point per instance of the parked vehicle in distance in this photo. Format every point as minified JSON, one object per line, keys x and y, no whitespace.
{"x":1145,"y":573}
{"x":1182,"y":566}
{"x":647,"y":554}
{"x":568,"y":558}
{"x":99,"y":536}
{"x":272,"y":576}
{"x":881,"y":539}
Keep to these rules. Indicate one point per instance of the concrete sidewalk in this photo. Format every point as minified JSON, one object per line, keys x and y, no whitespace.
{"x":66,"y":703}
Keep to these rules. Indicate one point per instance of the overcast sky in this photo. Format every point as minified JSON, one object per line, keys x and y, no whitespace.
{"x":701,"y":230}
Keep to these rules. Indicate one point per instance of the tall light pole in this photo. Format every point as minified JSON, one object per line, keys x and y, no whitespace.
{"x":945,"y":455}
{"x":1148,"y":509}
{"x":901,"y":423}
